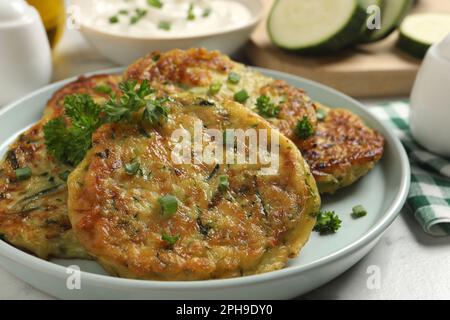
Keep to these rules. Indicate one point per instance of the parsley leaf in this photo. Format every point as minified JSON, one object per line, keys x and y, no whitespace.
{"x":132,"y":100}
{"x":69,"y":137}
{"x":327,"y":222}
{"x":304,"y":129}
{"x":82,"y":111}
{"x":156,"y":112}
{"x":69,"y":144}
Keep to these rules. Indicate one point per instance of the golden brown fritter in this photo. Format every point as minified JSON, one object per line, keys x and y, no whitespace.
{"x":294,"y":104}
{"x":191,"y":68}
{"x":343,"y":150}
{"x":98,"y":86}
{"x":33,"y":210}
{"x":197,"y":69}
{"x":251,"y":224}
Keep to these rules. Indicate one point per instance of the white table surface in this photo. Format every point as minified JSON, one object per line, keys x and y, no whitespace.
{"x":412,"y":264}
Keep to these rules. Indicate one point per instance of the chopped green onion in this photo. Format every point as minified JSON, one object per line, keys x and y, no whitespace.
{"x":123,"y":12}
{"x":304,"y":129}
{"x":191,"y":14}
{"x":359,"y":212}
{"x":23,"y":173}
{"x":206,"y":12}
{"x":321,"y":114}
{"x":64,"y":175}
{"x":140,"y":13}
{"x":114,"y":19}
{"x":234,"y":78}
{"x":266,"y":108}
{"x":132,"y":168}
{"x":169,"y":205}
{"x":155,"y":3}
{"x":215,"y":88}
{"x":241,"y":96}
{"x":224,"y":184}
{"x":165,"y":25}
{"x":171,"y":240}
{"x":105,"y":89}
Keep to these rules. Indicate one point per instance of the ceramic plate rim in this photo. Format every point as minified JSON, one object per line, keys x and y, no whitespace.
{"x":35,"y":263}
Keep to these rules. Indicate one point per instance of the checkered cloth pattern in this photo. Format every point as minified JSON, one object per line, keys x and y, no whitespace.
{"x":429,"y":196}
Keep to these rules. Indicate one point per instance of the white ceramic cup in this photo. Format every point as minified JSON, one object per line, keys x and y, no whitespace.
{"x":25,"y":54}
{"x":430,"y":101}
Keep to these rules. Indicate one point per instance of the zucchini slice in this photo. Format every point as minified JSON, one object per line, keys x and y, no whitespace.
{"x":367,"y":3}
{"x":420,"y":31}
{"x":392,"y":14}
{"x":315,"y":26}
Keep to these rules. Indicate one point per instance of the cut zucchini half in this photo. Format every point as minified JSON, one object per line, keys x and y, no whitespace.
{"x":315,"y":26}
{"x":367,"y":3}
{"x":392,"y":14}
{"x":420,"y":31}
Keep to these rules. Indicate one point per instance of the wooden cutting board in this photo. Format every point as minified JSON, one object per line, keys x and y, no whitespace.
{"x":374,"y":70}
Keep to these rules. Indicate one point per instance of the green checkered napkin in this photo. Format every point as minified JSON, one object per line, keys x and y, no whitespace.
{"x":429,"y":196}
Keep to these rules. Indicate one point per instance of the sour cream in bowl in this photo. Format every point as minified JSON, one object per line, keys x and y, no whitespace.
{"x":124,"y":30}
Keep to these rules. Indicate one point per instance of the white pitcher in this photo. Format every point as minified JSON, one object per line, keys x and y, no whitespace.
{"x":430,"y":101}
{"x":25,"y":54}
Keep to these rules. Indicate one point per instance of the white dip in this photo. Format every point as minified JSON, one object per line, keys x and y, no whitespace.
{"x":162,"y":18}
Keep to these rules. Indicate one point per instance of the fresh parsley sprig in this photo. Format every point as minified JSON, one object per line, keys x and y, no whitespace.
{"x":304,"y":129}
{"x":67,"y":143}
{"x":132,"y":100}
{"x":328,"y":222}
{"x":69,"y":137}
{"x":156,"y":112}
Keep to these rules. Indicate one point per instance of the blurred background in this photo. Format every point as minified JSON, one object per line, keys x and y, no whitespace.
{"x":377,"y":69}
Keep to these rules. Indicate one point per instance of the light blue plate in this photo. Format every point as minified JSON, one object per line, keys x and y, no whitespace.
{"x":382,"y":193}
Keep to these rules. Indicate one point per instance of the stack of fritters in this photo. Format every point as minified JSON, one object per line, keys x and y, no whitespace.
{"x":230,"y":220}
{"x":250,"y":224}
{"x":343,"y":148}
{"x":33,"y":212}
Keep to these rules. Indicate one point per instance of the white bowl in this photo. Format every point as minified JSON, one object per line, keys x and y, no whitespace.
{"x":124,"y":49}
{"x":25,"y":54}
{"x":430,"y":109}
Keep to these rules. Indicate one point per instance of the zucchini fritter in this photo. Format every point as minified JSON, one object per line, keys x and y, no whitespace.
{"x":144,"y":216}
{"x":33,"y":206}
{"x":211,"y":73}
{"x":99,"y":87}
{"x":196,"y":70}
{"x":343,"y":149}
